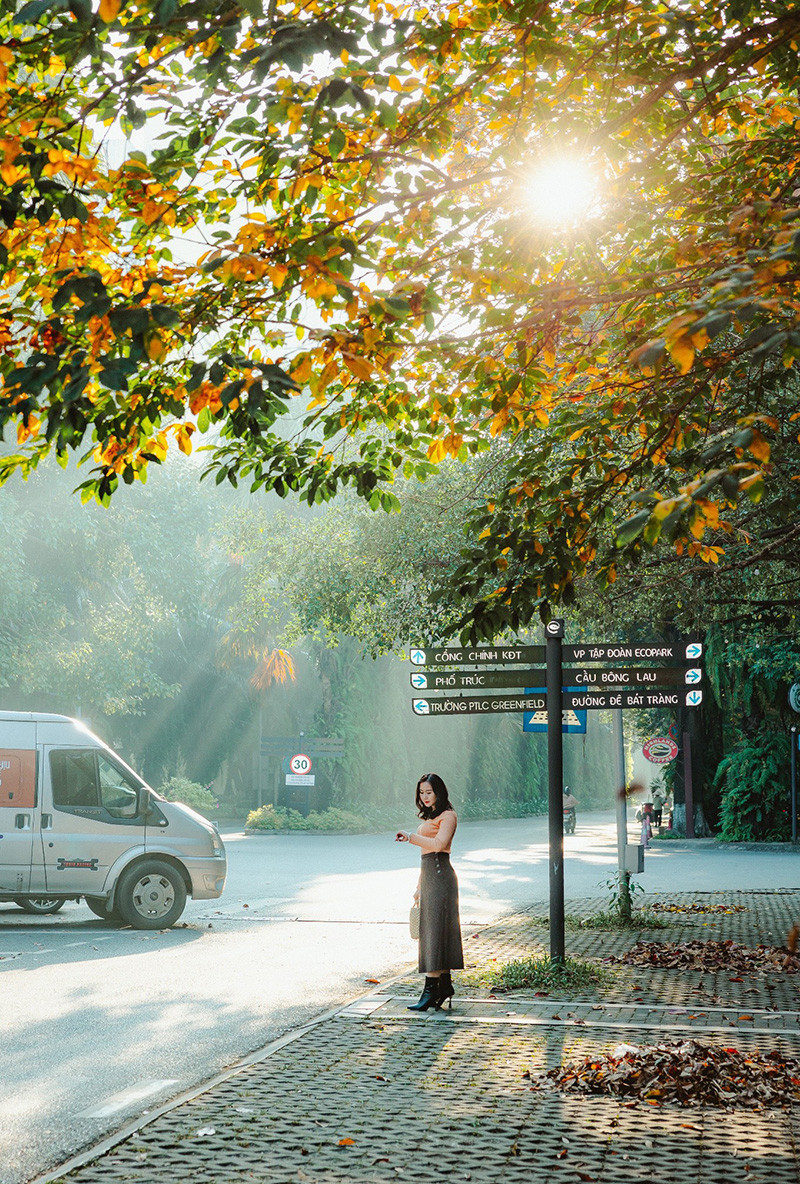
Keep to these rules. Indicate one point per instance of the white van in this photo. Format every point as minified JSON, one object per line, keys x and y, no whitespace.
{"x":76,"y":821}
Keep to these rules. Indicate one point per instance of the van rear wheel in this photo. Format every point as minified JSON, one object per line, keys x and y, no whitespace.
{"x":151,"y":895}
{"x":39,"y":904}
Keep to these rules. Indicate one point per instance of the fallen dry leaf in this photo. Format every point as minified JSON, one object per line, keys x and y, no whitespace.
{"x":347,"y":1142}
{"x":709,"y":956}
{"x":697,"y":907}
{"x":689,"y":1073}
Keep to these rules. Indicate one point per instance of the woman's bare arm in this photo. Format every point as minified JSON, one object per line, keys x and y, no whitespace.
{"x":444,"y":837}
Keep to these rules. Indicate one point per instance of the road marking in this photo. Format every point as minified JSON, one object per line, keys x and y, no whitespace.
{"x":120,"y":1101}
{"x":55,"y":949}
{"x":362,"y":1007}
{"x":530,"y":1021}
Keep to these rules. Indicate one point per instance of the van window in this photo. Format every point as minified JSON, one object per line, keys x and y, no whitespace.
{"x":85,"y":778}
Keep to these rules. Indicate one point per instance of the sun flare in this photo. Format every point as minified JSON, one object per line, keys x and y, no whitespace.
{"x":561,"y":191}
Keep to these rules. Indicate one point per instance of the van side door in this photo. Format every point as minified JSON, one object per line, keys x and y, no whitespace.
{"x":18,"y":817}
{"x":96,"y":816}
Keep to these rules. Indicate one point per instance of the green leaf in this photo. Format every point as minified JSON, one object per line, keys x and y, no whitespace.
{"x":30,"y":13}
{"x":631,"y":528}
{"x":163,"y":315}
{"x":336,"y":143}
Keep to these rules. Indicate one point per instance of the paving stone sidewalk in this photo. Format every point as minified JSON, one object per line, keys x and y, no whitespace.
{"x":374,"y":1093}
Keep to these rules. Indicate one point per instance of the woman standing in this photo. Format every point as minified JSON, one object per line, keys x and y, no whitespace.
{"x":437,"y":892}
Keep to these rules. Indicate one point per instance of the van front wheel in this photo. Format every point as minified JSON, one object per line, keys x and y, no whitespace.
{"x":150,"y":895}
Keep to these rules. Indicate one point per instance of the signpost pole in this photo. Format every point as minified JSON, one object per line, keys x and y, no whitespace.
{"x":688,"y":784}
{"x":793,"y":737}
{"x":621,"y":813}
{"x":554,"y":633}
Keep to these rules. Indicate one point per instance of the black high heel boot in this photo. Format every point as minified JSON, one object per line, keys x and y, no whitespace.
{"x":446,"y":991}
{"x":428,"y":998}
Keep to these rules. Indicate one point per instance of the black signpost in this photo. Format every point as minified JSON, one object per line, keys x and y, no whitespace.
{"x":600,"y":690}
{"x":554,"y":632}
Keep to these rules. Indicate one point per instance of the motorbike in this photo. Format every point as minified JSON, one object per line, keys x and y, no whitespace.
{"x":570,"y":817}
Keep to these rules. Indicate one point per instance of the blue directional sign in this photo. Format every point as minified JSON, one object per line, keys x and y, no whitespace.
{"x":694,"y":698}
{"x":694,"y":650}
{"x":419,"y":680}
{"x":693,"y":675}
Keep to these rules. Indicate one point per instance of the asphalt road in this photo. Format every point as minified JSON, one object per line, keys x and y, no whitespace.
{"x":100,"y":1024}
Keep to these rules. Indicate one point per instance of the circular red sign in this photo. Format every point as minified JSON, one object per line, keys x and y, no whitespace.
{"x":660,"y":750}
{"x":300,"y":763}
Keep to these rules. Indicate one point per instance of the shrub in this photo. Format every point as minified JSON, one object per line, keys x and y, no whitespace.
{"x":330,"y":821}
{"x":753,"y":783}
{"x":190,"y":793}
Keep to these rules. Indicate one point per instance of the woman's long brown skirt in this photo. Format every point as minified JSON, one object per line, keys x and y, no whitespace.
{"x":439,"y":925}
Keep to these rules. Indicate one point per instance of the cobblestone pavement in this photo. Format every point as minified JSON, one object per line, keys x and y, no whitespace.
{"x":374,"y":1094}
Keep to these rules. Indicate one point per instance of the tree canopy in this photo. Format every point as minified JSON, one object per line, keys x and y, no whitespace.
{"x":318,"y":248}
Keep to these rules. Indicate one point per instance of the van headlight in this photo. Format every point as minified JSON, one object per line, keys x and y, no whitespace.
{"x":217,"y":845}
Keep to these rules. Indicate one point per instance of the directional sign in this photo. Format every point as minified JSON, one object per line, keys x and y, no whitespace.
{"x":639,"y":676}
{"x":443,"y":680}
{"x":510,"y":655}
{"x":479,"y":655}
{"x":479,"y":705}
{"x":600,"y":700}
{"x":573,"y":676}
{"x":635,"y":652}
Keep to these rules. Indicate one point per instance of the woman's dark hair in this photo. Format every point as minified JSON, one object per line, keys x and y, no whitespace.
{"x":442,"y":801}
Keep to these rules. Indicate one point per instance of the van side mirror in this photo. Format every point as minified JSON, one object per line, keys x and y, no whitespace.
{"x":145,"y":802}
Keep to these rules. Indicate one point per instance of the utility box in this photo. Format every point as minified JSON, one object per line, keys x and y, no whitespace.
{"x":634,"y":858}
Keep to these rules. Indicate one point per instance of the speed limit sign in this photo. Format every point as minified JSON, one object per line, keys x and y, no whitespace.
{"x":300,"y":763}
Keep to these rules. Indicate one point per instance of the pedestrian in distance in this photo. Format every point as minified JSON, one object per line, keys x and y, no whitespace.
{"x":659,"y":797}
{"x":440,"y":950}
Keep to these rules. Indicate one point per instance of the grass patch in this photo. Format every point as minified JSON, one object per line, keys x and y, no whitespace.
{"x":613,"y":919}
{"x":609,"y":919}
{"x":540,"y":973}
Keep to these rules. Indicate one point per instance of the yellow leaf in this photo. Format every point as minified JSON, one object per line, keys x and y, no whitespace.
{"x":156,"y":349}
{"x":183,"y":434}
{"x":663,"y":509}
{"x":109,"y":9}
{"x":436,"y":451}
{"x":302,"y":371}
{"x":759,"y":447}
{"x":359,"y":367}
{"x":682,"y":353}
{"x":25,"y":432}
